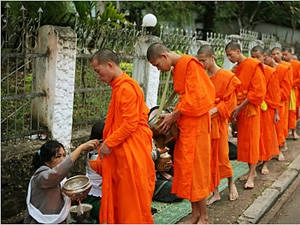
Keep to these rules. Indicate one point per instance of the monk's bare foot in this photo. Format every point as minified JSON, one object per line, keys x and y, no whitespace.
{"x":295,"y":136}
{"x":265,"y":170}
{"x":202,"y":221}
{"x":214,"y":198}
{"x":249,"y":184}
{"x":281,"y":157}
{"x":233,"y":193}
{"x":191,"y":220}
{"x":283,"y":148}
{"x":245,"y":177}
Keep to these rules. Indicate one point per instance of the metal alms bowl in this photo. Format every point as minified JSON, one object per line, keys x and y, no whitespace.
{"x":77,"y":187}
{"x":86,"y":210}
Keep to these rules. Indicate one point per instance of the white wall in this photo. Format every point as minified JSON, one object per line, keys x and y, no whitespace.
{"x":284,"y":33}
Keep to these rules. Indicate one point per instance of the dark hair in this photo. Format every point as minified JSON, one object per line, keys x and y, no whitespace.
{"x":288,"y":49}
{"x":234,"y":45}
{"x":97,"y":130}
{"x":258,"y":48}
{"x":106,"y":55}
{"x":268,"y":52}
{"x":276,"y":48}
{"x":206,"y":49}
{"x":155,"y":50}
{"x":45,"y":153}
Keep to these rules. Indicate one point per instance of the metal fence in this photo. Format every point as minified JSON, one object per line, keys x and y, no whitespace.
{"x":91,"y":97}
{"x":17,"y":74}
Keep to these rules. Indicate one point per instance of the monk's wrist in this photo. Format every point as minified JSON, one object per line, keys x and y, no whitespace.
{"x":175,"y":114}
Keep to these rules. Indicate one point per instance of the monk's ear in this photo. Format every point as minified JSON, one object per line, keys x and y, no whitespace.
{"x":110,"y":64}
{"x":164,"y":55}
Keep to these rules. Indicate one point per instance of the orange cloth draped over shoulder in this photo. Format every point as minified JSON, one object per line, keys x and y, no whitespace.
{"x":192,"y":149}
{"x":225,"y":83}
{"x":268,"y":138}
{"x":285,"y":85}
{"x":296,"y":84}
{"x":253,"y":87}
{"x":128,"y":171}
{"x":292,"y":100}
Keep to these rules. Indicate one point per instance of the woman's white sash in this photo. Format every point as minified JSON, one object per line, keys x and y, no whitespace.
{"x":47,"y":218}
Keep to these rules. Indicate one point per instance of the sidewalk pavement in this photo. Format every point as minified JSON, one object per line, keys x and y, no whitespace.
{"x":267,"y":199}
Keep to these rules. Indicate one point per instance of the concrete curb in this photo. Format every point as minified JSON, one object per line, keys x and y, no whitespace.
{"x":267,"y":199}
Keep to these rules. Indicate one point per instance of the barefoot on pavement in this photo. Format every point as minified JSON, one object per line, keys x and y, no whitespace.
{"x":214,"y":198}
{"x":281,"y":157}
{"x":249,"y":184}
{"x":233,"y":193}
{"x":265,"y":170}
{"x":191,"y":220}
{"x":245,"y":177}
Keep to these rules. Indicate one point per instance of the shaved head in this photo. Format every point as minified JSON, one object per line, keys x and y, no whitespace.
{"x":268,"y":52}
{"x":234,"y":45}
{"x":155,"y":50}
{"x":290,"y":50}
{"x":258,"y":48}
{"x":206,"y":50}
{"x":276,"y":49}
{"x":104,"y":56}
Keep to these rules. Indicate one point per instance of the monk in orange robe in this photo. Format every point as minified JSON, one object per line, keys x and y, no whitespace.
{"x":192,"y":149}
{"x":290,"y":122}
{"x":269,"y":113}
{"x":225,"y":83}
{"x":293,"y":113}
{"x":127,"y":167}
{"x":282,"y":72}
{"x":250,"y":95}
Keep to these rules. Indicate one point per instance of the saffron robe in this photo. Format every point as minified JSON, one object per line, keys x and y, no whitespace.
{"x":225,"y":83}
{"x":294,"y":99}
{"x":253,"y":87}
{"x":285,"y":85}
{"x":296,"y":84}
{"x":128,"y":171}
{"x":291,"y":106}
{"x":268,"y":138}
{"x":192,"y":149}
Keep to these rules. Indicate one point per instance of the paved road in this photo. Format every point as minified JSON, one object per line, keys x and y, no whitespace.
{"x":287,"y":208}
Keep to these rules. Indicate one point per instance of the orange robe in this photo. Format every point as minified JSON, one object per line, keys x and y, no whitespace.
{"x":285,"y":90}
{"x":192,"y":149}
{"x":268,"y":138}
{"x":128,"y":171}
{"x":291,"y":109}
{"x":96,"y":165}
{"x":294,"y":114}
{"x":253,"y":87}
{"x":225,"y":83}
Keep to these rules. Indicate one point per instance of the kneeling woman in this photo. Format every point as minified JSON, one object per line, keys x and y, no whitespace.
{"x":45,"y":201}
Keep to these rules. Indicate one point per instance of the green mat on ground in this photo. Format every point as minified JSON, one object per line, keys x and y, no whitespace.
{"x":171,"y":213}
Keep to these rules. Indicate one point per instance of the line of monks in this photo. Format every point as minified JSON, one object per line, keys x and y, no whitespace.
{"x":260,"y":97}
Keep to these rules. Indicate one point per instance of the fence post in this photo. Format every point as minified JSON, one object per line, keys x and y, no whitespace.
{"x":146,"y":74}
{"x":55,"y":75}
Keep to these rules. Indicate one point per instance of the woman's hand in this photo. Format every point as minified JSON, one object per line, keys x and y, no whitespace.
{"x":90,"y":145}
